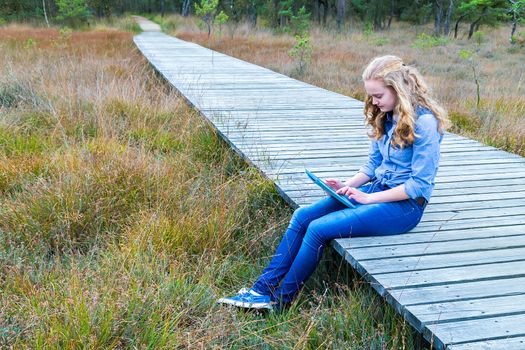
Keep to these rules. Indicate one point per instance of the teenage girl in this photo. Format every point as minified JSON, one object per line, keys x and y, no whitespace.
{"x":390,"y":190}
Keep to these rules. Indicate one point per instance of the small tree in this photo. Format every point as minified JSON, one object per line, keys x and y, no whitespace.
{"x":517,"y":12}
{"x":220,"y":19}
{"x":302,"y":50}
{"x":207,"y":10}
{"x":73,"y":12}
{"x":470,"y":56}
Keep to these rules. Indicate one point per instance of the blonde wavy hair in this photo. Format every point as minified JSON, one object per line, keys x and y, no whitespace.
{"x":411,"y":91}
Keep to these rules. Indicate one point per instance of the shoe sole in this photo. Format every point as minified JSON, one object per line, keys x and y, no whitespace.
{"x":245,"y":305}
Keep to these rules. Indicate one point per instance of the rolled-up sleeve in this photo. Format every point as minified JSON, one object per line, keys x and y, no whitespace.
{"x":374,"y":160}
{"x":425,"y":158}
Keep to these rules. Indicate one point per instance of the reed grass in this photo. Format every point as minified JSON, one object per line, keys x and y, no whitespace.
{"x":123,"y":215}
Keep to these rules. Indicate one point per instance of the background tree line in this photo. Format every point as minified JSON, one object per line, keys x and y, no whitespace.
{"x":377,"y":15}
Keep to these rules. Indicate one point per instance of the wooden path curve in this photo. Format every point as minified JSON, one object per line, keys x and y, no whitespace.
{"x":459,"y":276}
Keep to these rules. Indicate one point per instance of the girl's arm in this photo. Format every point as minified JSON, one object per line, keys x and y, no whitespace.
{"x":356,"y":181}
{"x":392,"y":195}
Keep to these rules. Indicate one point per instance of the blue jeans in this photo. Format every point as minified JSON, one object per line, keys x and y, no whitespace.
{"x":312,"y":227}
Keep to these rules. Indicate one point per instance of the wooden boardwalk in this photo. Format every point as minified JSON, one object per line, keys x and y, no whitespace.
{"x":459,"y":276}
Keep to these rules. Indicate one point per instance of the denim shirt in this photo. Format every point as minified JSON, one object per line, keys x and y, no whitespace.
{"x":415,"y":165}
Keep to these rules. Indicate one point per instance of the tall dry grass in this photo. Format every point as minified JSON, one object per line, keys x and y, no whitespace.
{"x":123,"y":216}
{"x":339,"y":59}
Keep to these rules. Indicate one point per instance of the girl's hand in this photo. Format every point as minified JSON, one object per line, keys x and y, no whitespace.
{"x":335,"y":184}
{"x":355,"y":194}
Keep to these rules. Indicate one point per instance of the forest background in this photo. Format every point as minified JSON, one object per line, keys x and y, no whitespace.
{"x":378,"y":14}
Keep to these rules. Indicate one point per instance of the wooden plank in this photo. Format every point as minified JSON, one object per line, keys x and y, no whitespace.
{"x":431,"y":236}
{"x":289,"y":124}
{"x":305,"y":154}
{"x":493,"y":175}
{"x":468,"y":309}
{"x":316,"y":165}
{"x":278,"y":98}
{"x":514,"y":343}
{"x":339,"y":114}
{"x":285,"y":173}
{"x":467,"y":290}
{"x":414,"y":263}
{"x":451,"y":275}
{"x":433,"y":247}
{"x":477,"y":330}
{"x":473,"y":222}
{"x":326,"y":143}
{"x":361,"y":149}
{"x":434,"y":314}
{"x":472,"y":214}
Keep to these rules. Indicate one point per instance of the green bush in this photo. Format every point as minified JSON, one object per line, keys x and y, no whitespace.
{"x":425,"y":41}
{"x":368,"y":29}
{"x":163,"y":142}
{"x":73,"y":12}
{"x":16,"y":144}
{"x":381,"y":41}
{"x":479,"y":37}
{"x":464,"y":123}
{"x":167,"y":23}
{"x":518,"y":39}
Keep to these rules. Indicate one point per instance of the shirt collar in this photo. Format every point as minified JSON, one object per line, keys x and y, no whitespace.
{"x":390,"y":117}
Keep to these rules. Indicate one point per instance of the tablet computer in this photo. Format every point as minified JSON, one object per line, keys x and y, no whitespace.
{"x":341,"y":198}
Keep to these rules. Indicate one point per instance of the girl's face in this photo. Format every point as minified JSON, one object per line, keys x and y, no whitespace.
{"x":384,"y":97}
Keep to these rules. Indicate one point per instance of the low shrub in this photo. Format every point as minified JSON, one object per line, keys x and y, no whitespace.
{"x":425,"y":41}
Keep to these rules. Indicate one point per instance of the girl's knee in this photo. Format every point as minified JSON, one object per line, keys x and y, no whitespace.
{"x":316,"y":235}
{"x":300,"y":216}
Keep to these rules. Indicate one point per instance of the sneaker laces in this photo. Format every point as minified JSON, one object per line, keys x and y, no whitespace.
{"x":244,"y":291}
